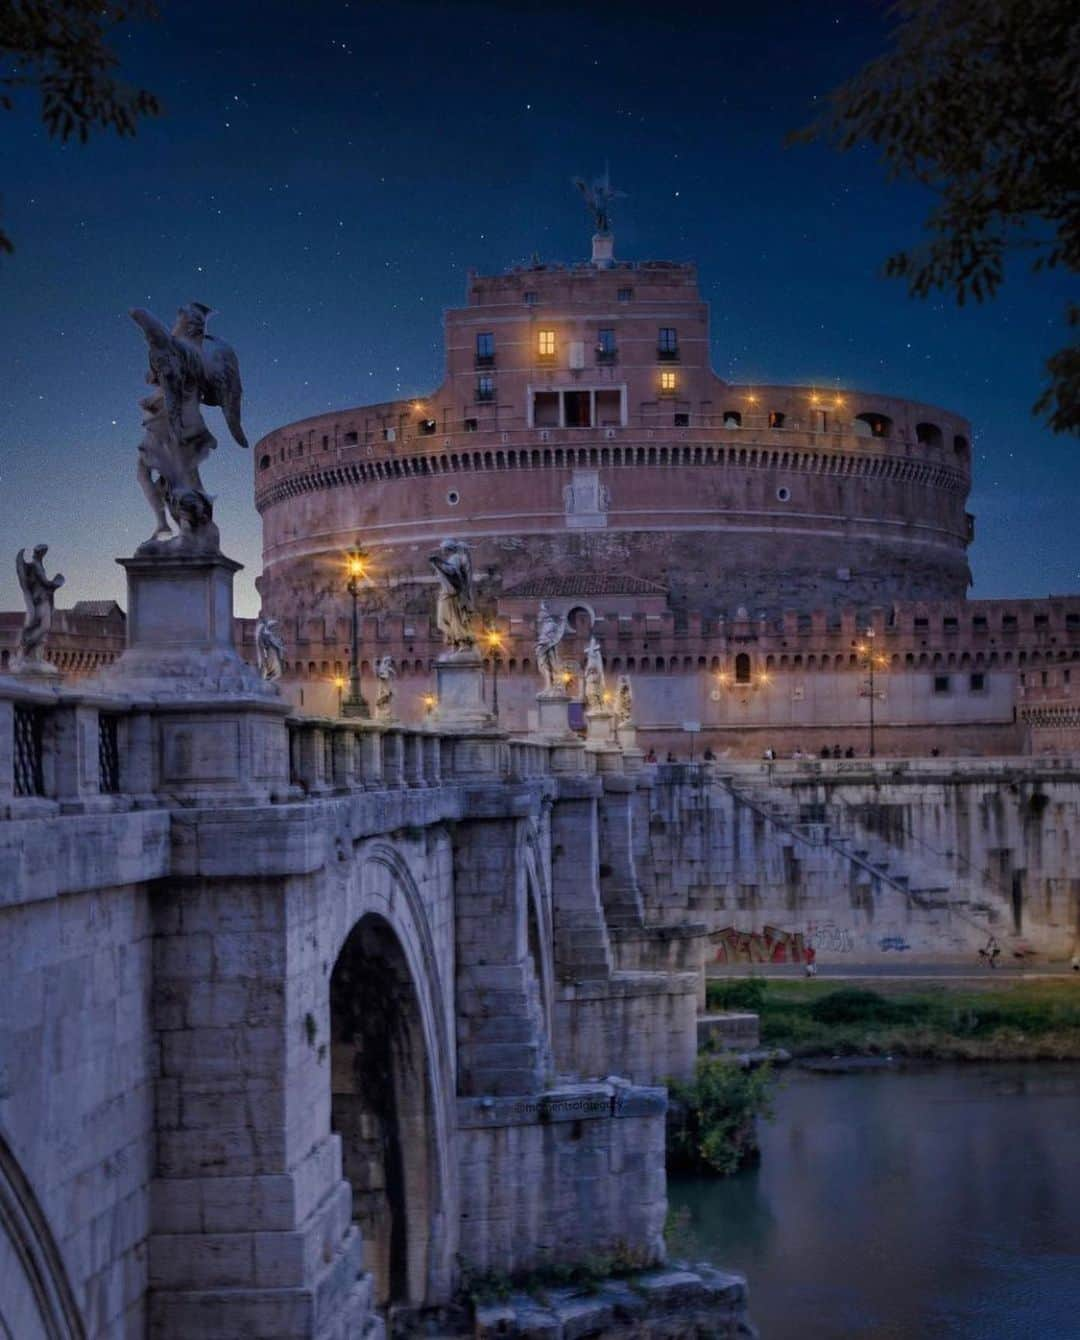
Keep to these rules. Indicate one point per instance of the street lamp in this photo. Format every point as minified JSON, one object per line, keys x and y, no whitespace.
{"x":356,"y":568}
{"x":339,"y":684}
{"x":493,"y":641}
{"x":871,"y":661}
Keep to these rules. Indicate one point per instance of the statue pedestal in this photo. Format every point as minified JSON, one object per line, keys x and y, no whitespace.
{"x":600,"y":740}
{"x":552,"y":719}
{"x":600,"y":729}
{"x":218,"y":727}
{"x":180,"y":630}
{"x":626,"y":735}
{"x":43,"y":671}
{"x":459,"y":677}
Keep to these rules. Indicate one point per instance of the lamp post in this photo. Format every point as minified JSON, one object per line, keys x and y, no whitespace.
{"x":356,"y":567}
{"x":339,"y":684}
{"x":494,"y":645}
{"x":872,"y":661}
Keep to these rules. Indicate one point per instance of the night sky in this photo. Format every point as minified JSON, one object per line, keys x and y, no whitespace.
{"x":325,"y":175}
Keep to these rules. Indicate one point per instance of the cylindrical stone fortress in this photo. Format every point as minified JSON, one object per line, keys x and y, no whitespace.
{"x":581,"y":433}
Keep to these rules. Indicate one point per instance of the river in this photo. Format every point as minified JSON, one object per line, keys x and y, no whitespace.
{"x":937,"y":1202}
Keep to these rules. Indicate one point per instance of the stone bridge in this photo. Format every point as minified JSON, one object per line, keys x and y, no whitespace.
{"x":303,"y":1018}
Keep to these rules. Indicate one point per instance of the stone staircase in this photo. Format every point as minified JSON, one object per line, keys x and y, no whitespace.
{"x":928,"y":881}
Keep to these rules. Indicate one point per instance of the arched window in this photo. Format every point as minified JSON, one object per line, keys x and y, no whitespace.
{"x":928,"y":434}
{"x":872,"y":424}
{"x":732,"y":418}
{"x":742,"y":668}
{"x":960,"y":444}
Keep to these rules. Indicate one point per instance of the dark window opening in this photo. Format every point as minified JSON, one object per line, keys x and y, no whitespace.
{"x":872,"y":425}
{"x":979,"y":623}
{"x":471,"y":425}
{"x":682,"y":420}
{"x":1008,"y":623}
{"x":776,"y":418}
{"x":742,"y":668}
{"x":732,"y":418}
{"x":977,"y":682}
{"x":1042,"y":620}
{"x":960,"y":445}
{"x":606,"y":349}
{"x":626,"y":295}
{"x":485,"y":349}
{"x":350,"y":439}
{"x":667,"y":342}
{"x":928,"y":434}
{"x":428,"y":426}
{"x":532,"y":298}
{"x":485,"y":388}
{"x":951,"y":625}
{"x":941,"y":683}
{"x":264,"y":463}
{"x":577,"y":409}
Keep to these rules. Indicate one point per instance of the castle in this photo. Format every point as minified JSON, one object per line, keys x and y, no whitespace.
{"x":742,"y":552}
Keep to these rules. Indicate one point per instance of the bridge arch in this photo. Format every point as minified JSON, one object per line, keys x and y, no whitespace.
{"x":392,"y":1082}
{"x":36,"y":1297}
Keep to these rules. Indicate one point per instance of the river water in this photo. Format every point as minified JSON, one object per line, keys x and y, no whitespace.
{"x":937,"y":1202}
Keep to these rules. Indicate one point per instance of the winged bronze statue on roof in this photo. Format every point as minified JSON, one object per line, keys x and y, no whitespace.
{"x":188,"y":369}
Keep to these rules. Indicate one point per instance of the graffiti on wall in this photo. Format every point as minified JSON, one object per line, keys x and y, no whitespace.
{"x":773,"y":945}
{"x":896,"y":942}
{"x":829,"y":938}
{"x":768,"y":945}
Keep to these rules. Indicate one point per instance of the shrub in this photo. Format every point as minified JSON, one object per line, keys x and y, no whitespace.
{"x":711,"y":1120}
{"x":852,"y":1005}
{"x":747,"y":993}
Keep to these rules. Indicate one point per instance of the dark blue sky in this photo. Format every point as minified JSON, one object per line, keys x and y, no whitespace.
{"x":325,"y":174}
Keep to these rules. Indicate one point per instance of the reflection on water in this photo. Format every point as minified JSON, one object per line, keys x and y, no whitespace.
{"x":939,"y":1202}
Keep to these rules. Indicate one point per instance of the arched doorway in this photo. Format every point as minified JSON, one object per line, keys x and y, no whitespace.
{"x":381,"y":1105}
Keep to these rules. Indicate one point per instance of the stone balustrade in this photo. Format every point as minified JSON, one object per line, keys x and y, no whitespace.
{"x":63,"y":750}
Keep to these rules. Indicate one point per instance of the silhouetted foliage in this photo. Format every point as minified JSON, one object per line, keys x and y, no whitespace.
{"x":60,"y":48}
{"x":980,"y":102}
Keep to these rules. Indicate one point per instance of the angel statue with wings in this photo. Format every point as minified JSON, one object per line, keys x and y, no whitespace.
{"x":188,"y":369}
{"x":39,"y":593}
{"x":270,"y":648}
{"x":456,"y":604}
{"x":595,"y":686}
{"x":385,"y":674}
{"x":550,"y":631}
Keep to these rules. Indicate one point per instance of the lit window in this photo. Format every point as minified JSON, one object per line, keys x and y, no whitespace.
{"x":545,"y":343}
{"x":668,"y":383}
